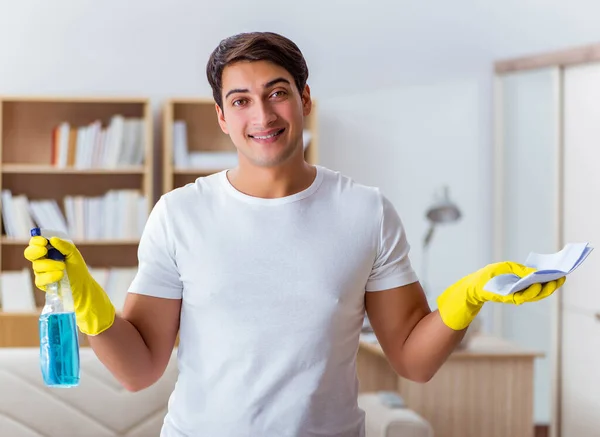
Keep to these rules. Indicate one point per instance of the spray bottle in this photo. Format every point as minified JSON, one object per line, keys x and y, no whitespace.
{"x":59,"y":341}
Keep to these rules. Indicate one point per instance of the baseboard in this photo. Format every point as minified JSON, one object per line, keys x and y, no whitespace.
{"x":542,"y":431}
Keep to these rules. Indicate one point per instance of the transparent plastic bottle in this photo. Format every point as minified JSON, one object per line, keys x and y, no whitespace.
{"x":59,"y":340}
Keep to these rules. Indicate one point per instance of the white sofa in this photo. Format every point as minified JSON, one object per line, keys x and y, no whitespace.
{"x":98,"y":407}
{"x":384,"y":421}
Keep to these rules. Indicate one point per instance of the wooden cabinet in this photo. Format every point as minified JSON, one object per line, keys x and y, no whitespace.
{"x":485,"y":389}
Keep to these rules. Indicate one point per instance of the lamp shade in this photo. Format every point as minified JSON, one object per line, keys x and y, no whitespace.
{"x":443,"y":210}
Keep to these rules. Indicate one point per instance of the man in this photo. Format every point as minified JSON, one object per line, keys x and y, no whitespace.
{"x":265,"y":270}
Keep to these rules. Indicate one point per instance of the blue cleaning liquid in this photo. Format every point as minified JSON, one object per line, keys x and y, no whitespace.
{"x":59,"y":349}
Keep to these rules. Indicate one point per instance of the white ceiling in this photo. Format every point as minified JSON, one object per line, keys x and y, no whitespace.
{"x":349,"y":44}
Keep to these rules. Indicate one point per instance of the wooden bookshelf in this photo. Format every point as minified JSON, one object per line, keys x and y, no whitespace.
{"x":46,"y":169}
{"x":26,"y":135}
{"x":204,"y":134}
{"x":79,"y":243}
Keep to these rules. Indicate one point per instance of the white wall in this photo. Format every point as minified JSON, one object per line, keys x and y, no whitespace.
{"x":401,"y":83}
{"x":411,"y":141}
{"x":160,"y":47}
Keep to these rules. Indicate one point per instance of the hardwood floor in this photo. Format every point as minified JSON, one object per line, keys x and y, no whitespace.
{"x":542,"y":431}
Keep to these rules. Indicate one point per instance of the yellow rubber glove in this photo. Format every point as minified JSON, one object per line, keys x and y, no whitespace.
{"x":93,"y":309}
{"x":460,"y":303}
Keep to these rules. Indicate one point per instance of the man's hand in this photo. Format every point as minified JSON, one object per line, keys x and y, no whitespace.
{"x":461,"y":302}
{"x":94,"y":311}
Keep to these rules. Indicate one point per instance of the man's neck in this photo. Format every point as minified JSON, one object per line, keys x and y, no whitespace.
{"x":272,"y":182}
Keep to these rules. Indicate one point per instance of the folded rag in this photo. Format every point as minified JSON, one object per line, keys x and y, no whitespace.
{"x":549,"y":267}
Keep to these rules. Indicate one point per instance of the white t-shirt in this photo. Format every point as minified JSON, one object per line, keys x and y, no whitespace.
{"x":273,"y":302}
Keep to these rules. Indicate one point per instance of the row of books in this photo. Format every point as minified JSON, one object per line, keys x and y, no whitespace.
{"x":184,"y":158}
{"x":115,"y":281}
{"x":17,"y":287}
{"x":120,"y":144}
{"x":117,"y":215}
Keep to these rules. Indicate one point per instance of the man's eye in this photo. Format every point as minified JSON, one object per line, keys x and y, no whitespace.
{"x":239,"y":102}
{"x":278,"y":94}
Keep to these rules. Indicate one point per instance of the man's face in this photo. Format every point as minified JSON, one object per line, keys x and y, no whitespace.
{"x":263,"y":112}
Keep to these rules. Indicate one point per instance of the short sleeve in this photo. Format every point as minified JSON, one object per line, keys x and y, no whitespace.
{"x":392,"y":267}
{"x":157,"y":273}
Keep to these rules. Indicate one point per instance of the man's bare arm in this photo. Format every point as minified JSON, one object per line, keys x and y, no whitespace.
{"x":414,"y":339}
{"x":137,"y":347}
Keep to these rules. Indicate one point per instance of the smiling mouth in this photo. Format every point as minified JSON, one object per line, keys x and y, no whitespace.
{"x":266,"y":137}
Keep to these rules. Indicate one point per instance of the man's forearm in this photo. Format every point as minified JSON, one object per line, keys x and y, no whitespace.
{"x":121,"y":348}
{"x":428,"y":346}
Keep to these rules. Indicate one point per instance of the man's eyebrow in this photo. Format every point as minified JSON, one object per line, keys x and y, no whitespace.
{"x":267,"y":85}
{"x":236,"y":90}
{"x":276,"y":81}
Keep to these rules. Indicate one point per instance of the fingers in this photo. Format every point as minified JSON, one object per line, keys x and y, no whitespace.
{"x":38,"y":241}
{"x":36,"y":249}
{"x":65,"y":247}
{"x":47,"y":265}
{"x":495,"y":297}
{"x":44,"y":279}
{"x":47,"y":271}
{"x":527,"y":295}
{"x":549,"y":288}
{"x":541,"y":291}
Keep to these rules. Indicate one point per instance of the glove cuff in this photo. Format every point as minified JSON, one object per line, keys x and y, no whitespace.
{"x":94,"y":323}
{"x":457,"y":311}
{"x":94,"y":310}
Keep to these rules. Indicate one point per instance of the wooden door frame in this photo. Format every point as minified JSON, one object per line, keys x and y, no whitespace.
{"x":562,"y":58}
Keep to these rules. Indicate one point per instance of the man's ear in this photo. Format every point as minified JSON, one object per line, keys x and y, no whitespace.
{"x":306,"y":101}
{"x":221,"y":119}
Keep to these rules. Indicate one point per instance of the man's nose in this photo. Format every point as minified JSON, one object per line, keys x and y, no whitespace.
{"x":264,"y":115}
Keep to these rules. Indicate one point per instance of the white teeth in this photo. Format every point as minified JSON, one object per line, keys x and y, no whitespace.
{"x":268,"y":136}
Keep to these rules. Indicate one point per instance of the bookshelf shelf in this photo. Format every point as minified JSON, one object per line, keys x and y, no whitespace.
{"x":7,"y":241}
{"x":196,"y":171}
{"x":49,"y":170}
{"x":73,"y":149}
{"x":203,"y":134}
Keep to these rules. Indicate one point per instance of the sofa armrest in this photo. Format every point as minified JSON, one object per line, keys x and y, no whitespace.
{"x":98,"y":407}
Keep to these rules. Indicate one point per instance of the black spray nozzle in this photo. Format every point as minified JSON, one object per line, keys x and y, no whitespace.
{"x":53,"y":253}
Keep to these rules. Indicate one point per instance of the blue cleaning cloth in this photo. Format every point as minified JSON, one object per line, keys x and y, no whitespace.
{"x":549,"y":268}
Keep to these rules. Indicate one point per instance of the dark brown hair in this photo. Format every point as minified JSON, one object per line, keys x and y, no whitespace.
{"x":255,"y":46}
